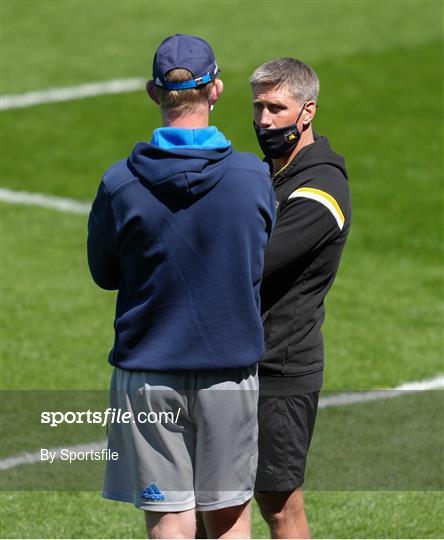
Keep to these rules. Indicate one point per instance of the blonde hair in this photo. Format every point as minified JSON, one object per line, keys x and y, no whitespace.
{"x":181,"y":101}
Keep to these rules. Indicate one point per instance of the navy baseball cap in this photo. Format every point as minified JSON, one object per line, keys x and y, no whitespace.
{"x":185,"y":52}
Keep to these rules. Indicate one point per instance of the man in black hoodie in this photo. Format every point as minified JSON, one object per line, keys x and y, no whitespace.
{"x":301,"y":261}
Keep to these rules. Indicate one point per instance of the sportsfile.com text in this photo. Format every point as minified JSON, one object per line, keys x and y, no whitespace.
{"x":108,"y":416}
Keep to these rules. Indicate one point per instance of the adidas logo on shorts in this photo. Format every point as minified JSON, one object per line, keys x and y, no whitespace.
{"x":153,"y":493}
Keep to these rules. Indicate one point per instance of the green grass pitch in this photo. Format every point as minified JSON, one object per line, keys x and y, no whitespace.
{"x":375,"y":470}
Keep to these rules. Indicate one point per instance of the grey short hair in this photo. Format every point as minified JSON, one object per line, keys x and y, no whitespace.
{"x":292,"y":74}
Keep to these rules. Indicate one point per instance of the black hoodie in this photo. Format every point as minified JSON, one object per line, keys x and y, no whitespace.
{"x":301,"y":261}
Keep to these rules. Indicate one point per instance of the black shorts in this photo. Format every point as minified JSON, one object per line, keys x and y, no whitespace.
{"x":286,"y":426}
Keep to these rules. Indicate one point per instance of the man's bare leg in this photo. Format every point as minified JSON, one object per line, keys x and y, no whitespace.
{"x":232,"y":522}
{"x":171,"y":524}
{"x":284,"y":513}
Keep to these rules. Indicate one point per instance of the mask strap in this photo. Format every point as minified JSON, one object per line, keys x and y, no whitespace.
{"x":292,"y":136}
{"x":299,"y":115}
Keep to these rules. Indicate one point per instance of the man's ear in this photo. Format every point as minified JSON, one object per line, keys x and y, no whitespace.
{"x":309,"y":112}
{"x":152,"y":91}
{"x":216,"y":91}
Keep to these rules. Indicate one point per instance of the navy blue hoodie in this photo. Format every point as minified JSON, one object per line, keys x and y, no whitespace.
{"x":180,"y":229}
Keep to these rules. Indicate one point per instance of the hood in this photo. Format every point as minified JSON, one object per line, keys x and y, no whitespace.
{"x":183,"y":163}
{"x":317,"y":153}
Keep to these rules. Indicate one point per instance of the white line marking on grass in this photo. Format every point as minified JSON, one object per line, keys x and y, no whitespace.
{"x":324,"y":403}
{"x":45,"y":201}
{"x":349,"y":398}
{"x":52,"y":95}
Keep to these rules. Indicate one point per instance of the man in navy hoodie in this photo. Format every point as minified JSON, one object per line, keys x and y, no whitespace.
{"x":179,"y":229}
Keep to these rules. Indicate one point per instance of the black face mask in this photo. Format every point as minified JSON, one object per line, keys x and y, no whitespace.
{"x":278,"y":142}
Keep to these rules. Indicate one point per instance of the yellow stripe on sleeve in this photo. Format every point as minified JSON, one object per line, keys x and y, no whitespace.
{"x":324,"y":198}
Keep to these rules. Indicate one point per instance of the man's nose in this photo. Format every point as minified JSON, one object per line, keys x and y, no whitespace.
{"x":265,"y":120}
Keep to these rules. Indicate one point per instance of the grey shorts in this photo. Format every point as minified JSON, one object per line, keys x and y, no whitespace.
{"x":189,"y":439}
